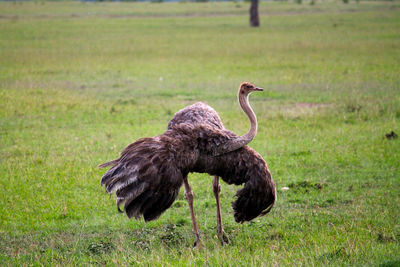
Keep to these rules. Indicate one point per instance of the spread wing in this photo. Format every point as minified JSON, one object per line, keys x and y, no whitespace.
{"x":145,"y":179}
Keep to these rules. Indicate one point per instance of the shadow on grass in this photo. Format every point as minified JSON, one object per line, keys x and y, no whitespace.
{"x":95,"y":242}
{"x":392,"y":263}
{"x":334,"y":254}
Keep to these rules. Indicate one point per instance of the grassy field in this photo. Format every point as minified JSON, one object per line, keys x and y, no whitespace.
{"x":80,"y":81}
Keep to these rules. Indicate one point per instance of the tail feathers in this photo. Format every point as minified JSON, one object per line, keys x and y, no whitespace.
{"x":119,"y":176}
{"x":129,"y":193}
{"x":145,"y":179}
{"x":113,"y":162}
{"x":256,"y":199}
{"x":150,"y":204}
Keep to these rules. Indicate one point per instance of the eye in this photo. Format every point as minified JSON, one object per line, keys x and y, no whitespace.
{"x":248,"y":86}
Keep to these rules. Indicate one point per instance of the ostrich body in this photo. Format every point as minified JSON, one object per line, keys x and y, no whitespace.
{"x":200,"y":113}
{"x":149,"y":173}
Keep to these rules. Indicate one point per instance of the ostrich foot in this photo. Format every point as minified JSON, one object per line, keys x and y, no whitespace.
{"x":223,"y":237}
{"x":197,"y":243}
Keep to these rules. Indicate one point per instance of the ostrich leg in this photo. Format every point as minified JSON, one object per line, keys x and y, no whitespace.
{"x":220,"y":230}
{"x":189,"y":198}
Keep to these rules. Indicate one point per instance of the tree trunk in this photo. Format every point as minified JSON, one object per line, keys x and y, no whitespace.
{"x":254,"y":20}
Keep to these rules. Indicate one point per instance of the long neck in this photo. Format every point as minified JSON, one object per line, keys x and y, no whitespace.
{"x":244,"y":104}
{"x":243,"y":140}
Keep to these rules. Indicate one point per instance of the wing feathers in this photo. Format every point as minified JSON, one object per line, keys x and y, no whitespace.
{"x":145,"y":179}
{"x":113,"y":162}
{"x":149,"y":173}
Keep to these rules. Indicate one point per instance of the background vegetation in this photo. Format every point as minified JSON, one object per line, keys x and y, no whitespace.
{"x":80,"y":81}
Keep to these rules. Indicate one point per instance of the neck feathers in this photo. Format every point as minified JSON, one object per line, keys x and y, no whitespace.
{"x":243,"y":140}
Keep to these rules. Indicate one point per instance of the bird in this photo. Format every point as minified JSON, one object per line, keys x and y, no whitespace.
{"x":147,"y":176}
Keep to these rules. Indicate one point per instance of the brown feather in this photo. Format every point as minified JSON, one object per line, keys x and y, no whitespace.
{"x":150,"y":171}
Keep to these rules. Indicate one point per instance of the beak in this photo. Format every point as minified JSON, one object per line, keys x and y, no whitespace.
{"x":258,"y":89}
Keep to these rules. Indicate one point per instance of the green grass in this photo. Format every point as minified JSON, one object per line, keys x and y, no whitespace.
{"x":80,"y":81}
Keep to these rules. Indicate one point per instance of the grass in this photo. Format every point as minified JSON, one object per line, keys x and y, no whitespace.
{"x":80,"y":81}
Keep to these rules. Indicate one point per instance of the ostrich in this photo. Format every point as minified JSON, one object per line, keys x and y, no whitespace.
{"x":149,"y":173}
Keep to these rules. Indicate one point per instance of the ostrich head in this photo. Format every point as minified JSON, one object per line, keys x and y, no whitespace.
{"x":246,"y":88}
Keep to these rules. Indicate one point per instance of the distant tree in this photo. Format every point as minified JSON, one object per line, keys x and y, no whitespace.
{"x":254,"y":19}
